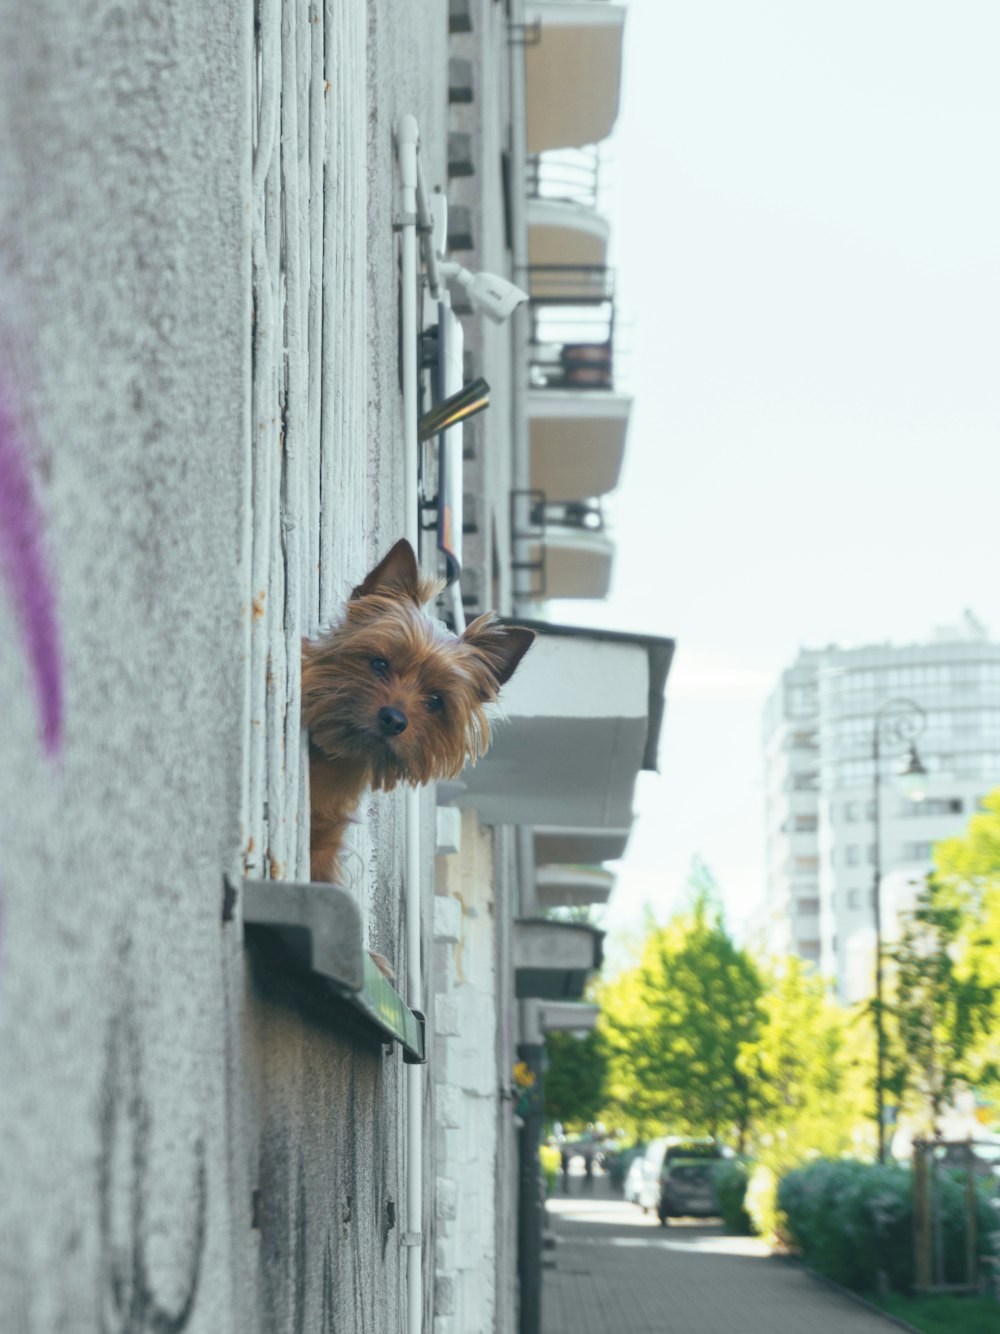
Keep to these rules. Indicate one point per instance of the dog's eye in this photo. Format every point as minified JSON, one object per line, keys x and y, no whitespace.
{"x":379,"y":666}
{"x":435,"y":703}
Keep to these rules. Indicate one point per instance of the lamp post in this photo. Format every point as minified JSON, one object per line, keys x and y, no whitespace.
{"x":897,"y":720}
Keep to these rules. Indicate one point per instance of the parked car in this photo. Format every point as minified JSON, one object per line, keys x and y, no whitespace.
{"x":687,"y":1185}
{"x":687,"y":1190}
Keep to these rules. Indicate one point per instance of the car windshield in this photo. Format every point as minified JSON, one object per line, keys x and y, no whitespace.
{"x":694,"y":1151}
{"x":689,"y":1174}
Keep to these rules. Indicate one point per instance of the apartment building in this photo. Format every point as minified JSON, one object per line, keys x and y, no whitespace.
{"x":819,"y":726}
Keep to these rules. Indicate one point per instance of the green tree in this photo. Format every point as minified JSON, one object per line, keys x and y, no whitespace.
{"x":575,"y":1077}
{"x":801,"y":1064}
{"x":967,"y":875}
{"x":810,"y":1088}
{"x":675,"y":1025}
{"x":941,"y":1008}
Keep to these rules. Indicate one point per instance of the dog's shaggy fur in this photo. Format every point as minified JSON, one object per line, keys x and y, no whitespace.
{"x":389,"y":697}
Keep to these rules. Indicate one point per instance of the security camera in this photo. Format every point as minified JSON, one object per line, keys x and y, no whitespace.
{"x":490,"y":294}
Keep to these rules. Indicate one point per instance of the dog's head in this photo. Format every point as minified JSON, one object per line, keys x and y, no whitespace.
{"x":389,"y":689}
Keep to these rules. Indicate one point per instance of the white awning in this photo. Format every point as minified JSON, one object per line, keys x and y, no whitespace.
{"x":582,"y":717}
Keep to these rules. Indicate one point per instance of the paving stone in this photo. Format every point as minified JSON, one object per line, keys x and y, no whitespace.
{"x":618,"y":1272}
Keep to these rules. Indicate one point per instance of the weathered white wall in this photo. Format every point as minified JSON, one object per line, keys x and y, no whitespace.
{"x":465,"y":1077}
{"x":206,"y":408}
{"x":124,"y":358}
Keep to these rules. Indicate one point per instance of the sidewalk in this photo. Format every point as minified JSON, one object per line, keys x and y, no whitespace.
{"x":617,"y":1272}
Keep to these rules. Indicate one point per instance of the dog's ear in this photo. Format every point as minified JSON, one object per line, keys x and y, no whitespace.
{"x":395,"y":573}
{"x":502,"y":646}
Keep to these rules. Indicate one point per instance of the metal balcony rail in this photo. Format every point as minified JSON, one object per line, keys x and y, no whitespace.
{"x":585,"y":515}
{"x":571,"y":344}
{"x":570,"y":284}
{"x":528,"y":509}
{"x":569,"y":174}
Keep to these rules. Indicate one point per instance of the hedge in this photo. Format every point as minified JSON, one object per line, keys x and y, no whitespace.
{"x":853,"y":1222}
{"x":730,"y":1178}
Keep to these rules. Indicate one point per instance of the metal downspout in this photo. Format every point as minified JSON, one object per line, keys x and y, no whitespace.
{"x":407,"y":139}
{"x":520,"y":320}
{"x":530,"y":1208}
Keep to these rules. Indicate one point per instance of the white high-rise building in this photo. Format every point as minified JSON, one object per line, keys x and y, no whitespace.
{"x":818,"y":732}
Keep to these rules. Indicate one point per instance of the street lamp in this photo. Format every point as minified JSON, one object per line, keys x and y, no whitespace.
{"x":901,"y":721}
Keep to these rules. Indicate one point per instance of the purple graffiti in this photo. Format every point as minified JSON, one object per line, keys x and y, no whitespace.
{"x":24,"y":570}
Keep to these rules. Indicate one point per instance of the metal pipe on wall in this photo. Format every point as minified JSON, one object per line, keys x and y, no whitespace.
{"x":407,"y":141}
{"x":521,"y":319}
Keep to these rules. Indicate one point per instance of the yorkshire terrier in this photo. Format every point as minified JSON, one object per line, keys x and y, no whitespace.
{"x":390,"y":697}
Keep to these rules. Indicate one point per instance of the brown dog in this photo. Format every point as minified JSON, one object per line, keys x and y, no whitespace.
{"x":389,"y":697}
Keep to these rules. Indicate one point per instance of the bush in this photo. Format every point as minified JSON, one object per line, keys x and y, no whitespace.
{"x":854,"y":1222}
{"x":730,"y":1177}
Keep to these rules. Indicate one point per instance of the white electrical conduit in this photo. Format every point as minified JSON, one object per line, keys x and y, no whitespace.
{"x":415,"y":210}
{"x":427,"y":237}
{"x":407,"y":140}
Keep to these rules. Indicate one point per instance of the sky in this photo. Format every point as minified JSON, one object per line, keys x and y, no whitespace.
{"x":805,"y":210}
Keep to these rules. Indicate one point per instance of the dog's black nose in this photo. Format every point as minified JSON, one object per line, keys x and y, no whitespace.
{"x":393,"y":721}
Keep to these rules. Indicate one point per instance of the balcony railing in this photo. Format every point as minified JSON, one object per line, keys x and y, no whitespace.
{"x":584,"y":514}
{"x":572,"y":326}
{"x":569,"y":174}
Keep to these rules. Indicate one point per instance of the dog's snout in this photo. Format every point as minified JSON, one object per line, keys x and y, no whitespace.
{"x":392,"y":721}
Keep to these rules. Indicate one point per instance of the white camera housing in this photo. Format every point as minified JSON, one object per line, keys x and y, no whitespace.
{"x":490,"y":294}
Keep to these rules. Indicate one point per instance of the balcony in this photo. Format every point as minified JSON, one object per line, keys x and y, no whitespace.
{"x":572,"y":325}
{"x":553,"y":960}
{"x":564,"y":550}
{"x":570,"y":750}
{"x":571,"y":843}
{"x":561,"y":233}
{"x":573,"y":886}
{"x":570,"y":176}
{"x":572,"y":72}
{"x":569,"y":1017}
{"x":577,"y":441}
{"x":578,"y":424}
{"x":570,"y":562}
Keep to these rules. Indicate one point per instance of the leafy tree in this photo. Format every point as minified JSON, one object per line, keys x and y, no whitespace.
{"x":941,"y":1008}
{"x":967,"y":875}
{"x":575,"y":1077}
{"x":801,"y":1064}
{"x":810,"y":1083}
{"x":676,"y":1024}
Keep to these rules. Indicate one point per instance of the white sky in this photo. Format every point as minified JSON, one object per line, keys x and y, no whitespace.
{"x":806,"y":229}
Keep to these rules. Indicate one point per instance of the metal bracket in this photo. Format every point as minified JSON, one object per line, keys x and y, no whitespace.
{"x":525,"y":34}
